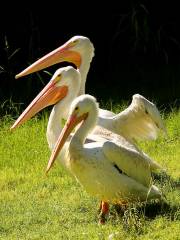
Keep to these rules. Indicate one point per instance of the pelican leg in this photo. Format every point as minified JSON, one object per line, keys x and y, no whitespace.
{"x":104,"y":211}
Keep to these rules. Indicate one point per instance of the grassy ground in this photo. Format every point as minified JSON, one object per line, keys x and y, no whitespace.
{"x":35,"y":206}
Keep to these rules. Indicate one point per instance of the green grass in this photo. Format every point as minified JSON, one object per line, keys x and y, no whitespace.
{"x":35,"y":206}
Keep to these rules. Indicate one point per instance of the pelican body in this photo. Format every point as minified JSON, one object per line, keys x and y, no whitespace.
{"x":107,"y":170}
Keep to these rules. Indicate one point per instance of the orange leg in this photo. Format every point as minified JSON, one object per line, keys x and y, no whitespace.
{"x":104,"y":211}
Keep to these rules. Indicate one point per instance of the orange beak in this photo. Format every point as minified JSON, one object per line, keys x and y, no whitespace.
{"x":61,"y":54}
{"x":50,"y":95}
{"x":71,"y":123}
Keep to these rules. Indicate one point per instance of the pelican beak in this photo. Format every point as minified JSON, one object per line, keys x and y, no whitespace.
{"x":50,"y":95}
{"x":61,"y":54}
{"x":71,"y":123}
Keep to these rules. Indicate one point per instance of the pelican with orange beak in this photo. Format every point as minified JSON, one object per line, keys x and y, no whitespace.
{"x":111,"y":172}
{"x":141,"y":120}
{"x":60,"y":91}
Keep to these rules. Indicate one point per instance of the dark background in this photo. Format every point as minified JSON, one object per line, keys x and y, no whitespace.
{"x":137,"y":48}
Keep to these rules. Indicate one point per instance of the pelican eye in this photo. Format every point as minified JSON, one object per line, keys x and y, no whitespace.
{"x":75,"y":41}
{"x":76,"y":108}
{"x":58,"y":77}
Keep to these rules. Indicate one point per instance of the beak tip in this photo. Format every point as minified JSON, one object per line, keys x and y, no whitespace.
{"x":17,"y":76}
{"x":11,"y":128}
{"x":48,"y":168}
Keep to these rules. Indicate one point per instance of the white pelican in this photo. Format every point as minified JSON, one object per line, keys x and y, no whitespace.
{"x":141,"y":120}
{"x":62,"y":89}
{"x":107,"y":170}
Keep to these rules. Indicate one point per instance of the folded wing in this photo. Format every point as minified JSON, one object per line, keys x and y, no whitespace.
{"x":129,"y":162}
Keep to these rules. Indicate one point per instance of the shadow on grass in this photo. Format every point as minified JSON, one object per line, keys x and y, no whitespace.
{"x":150,"y":210}
{"x":136,"y":217}
{"x":163,"y":179}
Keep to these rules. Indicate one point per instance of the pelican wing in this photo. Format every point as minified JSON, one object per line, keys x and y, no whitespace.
{"x":109,"y":135}
{"x":106,"y":113}
{"x":103,"y":134}
{"x":128,"y":161}
{"x":141,"y":120}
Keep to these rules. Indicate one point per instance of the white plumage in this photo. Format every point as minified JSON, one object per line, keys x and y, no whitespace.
{"x":107,"y":170}
{"x":141,"y":120}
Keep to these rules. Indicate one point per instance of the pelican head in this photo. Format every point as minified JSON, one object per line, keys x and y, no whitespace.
{"x":52,"y":93}
{"x":74,"y":51}
{"x":83,"y":108}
